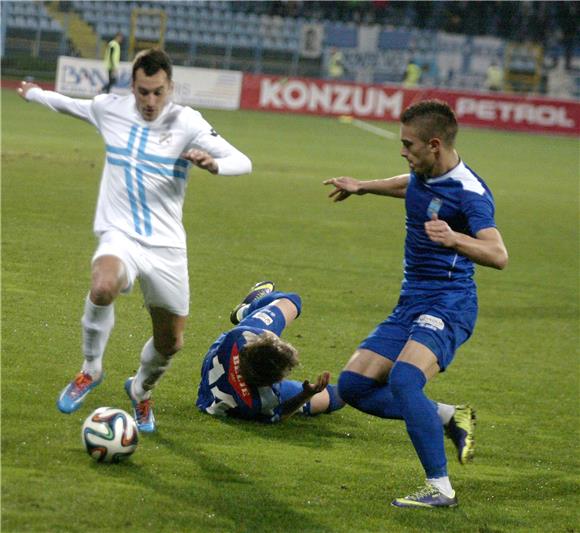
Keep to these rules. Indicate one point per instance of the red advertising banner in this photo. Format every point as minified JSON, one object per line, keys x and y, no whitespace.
{"x":386,"y":102}
{"x":14,"y":84}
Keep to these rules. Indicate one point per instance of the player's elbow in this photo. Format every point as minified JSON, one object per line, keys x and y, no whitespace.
{"x":247,"y":165}
{"x":501,"y":259}
{"x":235,"y":166}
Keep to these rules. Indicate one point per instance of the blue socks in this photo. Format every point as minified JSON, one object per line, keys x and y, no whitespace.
{"x":336,"y":401}
{"x":423,"y":423}
{"x":269,"y":298}
{"x":401,"y":398}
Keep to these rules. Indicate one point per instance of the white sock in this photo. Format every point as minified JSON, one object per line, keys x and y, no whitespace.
{"x":97,"y":322}
{"x":242,"y":312}
{"x":445,"y":412}
{"x":443,"y":485}
{"x":153,"y":366}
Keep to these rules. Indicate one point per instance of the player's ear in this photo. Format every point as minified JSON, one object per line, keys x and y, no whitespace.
{"x":434,"y":144}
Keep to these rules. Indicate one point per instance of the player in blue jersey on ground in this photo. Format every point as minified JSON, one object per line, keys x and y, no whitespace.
{"x":450,"y":226}
{"x":243,"y":373}
{"x":151,"y":144}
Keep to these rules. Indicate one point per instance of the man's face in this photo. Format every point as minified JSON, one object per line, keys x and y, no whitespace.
{"x":151,"y":93}
{"x":419,"y":154}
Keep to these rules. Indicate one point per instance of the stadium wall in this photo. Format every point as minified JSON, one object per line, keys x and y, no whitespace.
{"x":198,"y":87}
{"x":386,"y":102}
{"x":223,"y":89}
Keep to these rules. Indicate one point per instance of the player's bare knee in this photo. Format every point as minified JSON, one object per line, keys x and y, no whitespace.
{"x":169,"y":345}
{"x":103,"y":292}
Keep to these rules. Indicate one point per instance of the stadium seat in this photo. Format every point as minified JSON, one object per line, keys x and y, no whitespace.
{"x":17,"y":21}
{"x":240,"y":18}
{"x":395,"y":39}
{"x":31,"y":8}
{"x":16,"y":9}
{"x":44,"y":23}
{"x":172,"y":35}
{"x":32,"y":22}
{"x":219,"y":39}
{"x":176,"y":24}
{"x":340,"y":35}
{"x":90,"y":17}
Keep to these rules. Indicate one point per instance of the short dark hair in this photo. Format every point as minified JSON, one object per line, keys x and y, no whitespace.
{"x":152,"y":61}
{"x":432,"y":118}
{"x":267,"y":360}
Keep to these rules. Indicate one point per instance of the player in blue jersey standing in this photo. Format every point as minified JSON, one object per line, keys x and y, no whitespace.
{"x":151,"y":143}
{"x":450,"y":226}
{"x":243,"y":373}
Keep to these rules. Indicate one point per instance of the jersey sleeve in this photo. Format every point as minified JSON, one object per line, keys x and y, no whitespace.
{"x":76,"y":107}
{"x":229,"y":159}
{"x":479,"y":210}
{"x":270,"y":405}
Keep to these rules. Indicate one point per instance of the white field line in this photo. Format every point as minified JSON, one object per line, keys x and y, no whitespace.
{"x":368,"y":127}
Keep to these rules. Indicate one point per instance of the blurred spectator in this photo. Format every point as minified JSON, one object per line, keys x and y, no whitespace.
{"x":380,"y":10}
{"x":512,"y":20}
{"x":455,"y":17}
{"x":568,"y":18}
{"x":335,"y":64}
{"x":508,"y":20}
{"x":424,"y":11}
{"x":112,"y":59}
{"x":494,"y":77}
{"x":412,"y":74}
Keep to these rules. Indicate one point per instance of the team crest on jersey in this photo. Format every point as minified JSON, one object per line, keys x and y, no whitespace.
{"x":165,"y":138}
{"x":434,"y":207}
{"x":430,"y":322}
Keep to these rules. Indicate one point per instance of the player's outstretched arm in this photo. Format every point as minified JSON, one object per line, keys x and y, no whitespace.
{"x":345,"y":186}
{"x":76,"y":107}
{"x":486,"y":249}
{"x":25,"y":86}
{"x":292,"y":405}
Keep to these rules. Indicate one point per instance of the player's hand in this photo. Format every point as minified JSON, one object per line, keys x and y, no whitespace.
{"x":321,"y":383}
{"x":439,"y":231}
{"x":25,"y":86}
{"x":201,"y":159}
{"x":344,"y":187}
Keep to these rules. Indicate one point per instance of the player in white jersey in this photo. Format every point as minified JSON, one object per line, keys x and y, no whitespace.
{"x":150,"y":145}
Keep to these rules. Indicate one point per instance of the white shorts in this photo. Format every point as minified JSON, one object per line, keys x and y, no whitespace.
{"x":162,"y":271}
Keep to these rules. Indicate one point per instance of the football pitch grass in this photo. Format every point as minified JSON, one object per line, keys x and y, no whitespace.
{"x":334,"y":473}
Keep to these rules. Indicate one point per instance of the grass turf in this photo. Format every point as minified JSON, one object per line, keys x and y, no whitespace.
{"x":331,"y":474}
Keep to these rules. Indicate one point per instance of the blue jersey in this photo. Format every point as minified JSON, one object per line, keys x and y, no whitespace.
{"x":461,"y":199}
{"x":222,"y":390}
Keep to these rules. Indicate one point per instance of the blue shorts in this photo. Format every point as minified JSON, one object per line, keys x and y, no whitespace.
{"x":441,"y":321}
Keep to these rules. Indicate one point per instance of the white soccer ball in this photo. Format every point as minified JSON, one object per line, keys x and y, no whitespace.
{"x":110,"y":435}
